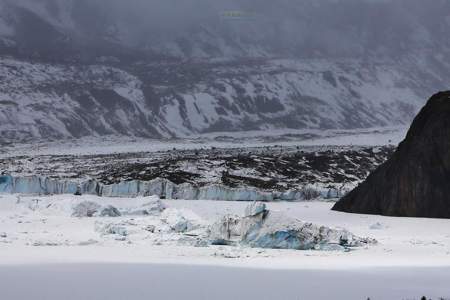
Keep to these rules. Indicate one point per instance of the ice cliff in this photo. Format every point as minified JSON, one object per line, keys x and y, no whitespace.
{"x":162,"y":188}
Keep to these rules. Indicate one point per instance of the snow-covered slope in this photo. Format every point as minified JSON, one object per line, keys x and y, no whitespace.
{"x":41,"y":100}
{"x":144,"y":68}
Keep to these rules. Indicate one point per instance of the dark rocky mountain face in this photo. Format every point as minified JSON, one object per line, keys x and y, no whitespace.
{"x":165,"y":68}
{"x":415,"y":182}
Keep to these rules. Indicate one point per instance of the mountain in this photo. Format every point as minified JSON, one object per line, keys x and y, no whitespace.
{"x":414,"y":181}
{"x":175,"y":68}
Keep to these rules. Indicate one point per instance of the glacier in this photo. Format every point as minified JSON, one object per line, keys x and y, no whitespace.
{"x":163,"y":188}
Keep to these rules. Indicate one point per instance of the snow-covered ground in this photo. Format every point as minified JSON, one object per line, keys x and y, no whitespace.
{"x":113,"y":144}
{"x":32,"y":235}
{"x":297,"y":165}
{"x":38,"y":235}
{"x":152,"y":253}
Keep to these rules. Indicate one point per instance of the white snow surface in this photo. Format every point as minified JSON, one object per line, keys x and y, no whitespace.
{"x":107,"y":257}
{"x":402,"y":242}
{"x":378,"y":136}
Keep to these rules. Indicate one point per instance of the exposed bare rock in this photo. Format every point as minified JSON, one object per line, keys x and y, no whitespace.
{"x":415,"y":182}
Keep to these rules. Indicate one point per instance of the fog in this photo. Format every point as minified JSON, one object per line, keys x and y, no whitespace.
{"x":283,"y":27}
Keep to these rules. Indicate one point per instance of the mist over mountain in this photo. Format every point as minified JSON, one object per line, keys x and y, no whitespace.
{"x":205,"y":29}
{"x":73,"y":68}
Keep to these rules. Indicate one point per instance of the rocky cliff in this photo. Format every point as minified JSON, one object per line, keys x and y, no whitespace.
{"x":415,"y":182}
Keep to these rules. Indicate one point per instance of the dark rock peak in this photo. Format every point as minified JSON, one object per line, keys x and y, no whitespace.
{"x":415,"y":181}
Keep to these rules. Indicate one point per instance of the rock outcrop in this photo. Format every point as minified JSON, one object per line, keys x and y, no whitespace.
{"x":415,"y":181}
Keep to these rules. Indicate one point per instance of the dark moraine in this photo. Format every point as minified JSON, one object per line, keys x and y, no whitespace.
{"x":415,"y":181}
